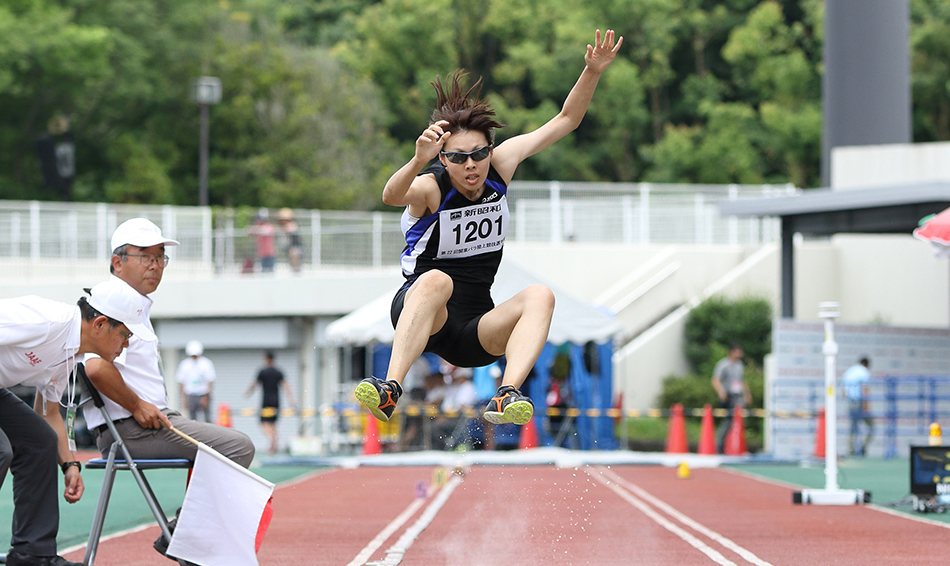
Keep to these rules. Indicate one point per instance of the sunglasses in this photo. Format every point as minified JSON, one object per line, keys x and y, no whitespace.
{"x":460,"y":157}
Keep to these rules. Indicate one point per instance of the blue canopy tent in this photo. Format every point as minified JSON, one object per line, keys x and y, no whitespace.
{"x":575,"y":323}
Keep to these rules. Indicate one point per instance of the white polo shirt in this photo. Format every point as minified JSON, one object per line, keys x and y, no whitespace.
{"x":39,"y":344}
{"x":195,"y":375}
{"x":141,"y":371}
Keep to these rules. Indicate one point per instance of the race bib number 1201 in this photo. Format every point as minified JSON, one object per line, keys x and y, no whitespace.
{"x":473,"y":230}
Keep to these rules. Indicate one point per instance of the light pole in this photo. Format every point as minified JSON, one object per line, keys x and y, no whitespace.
{"x":206,"y":91}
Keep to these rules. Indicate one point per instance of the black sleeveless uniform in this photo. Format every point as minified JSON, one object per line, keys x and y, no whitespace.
{"x":464,"y":240}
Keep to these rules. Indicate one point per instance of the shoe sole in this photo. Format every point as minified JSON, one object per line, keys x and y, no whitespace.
{"x":519,"y":413}
{"x":367,"y":394}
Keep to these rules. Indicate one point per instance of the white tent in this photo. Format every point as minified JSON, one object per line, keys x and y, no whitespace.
{"x":574,"y":321}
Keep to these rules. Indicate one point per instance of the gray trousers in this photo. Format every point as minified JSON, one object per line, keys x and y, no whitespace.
{"x":163,"y":443}
{"x":28,"y":449}
{"x":856,"y":413}
{"x":194,"y":407}
{"x":733,"y":401}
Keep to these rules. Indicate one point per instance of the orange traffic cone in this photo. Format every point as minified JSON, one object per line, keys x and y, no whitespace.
{"x":676,"y":431}
{"x":529,"y":436}
{"x":371,"y":443}
{"x":820,"y":435}
{"x":224,"y":415}
{"x":707,"y":435}
{"x":735,"y":440}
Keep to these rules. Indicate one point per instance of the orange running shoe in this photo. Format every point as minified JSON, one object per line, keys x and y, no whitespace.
{"x":509,"y":406}
{"x":379,"y":396}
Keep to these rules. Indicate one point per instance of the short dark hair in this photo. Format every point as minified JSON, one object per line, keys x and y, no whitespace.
{"x":464,"y":110}
{"x":735,"y":346}
{"x":89,"y":314}
{"x":121,"y":251}
{"x":865,"y":362}
{"x":269,"y":355}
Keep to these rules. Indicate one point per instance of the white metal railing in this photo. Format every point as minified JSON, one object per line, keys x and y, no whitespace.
{"x":62,"y":234}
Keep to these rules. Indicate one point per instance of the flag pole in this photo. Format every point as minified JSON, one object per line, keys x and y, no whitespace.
{"x":183,"y":435}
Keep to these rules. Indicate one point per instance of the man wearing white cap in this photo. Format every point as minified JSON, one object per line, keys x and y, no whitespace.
{"x":195,"y":376}
{"x":133,"y":384}
{"x":40,"y":344}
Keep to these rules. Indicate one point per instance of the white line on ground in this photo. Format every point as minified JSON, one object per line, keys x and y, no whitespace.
{"x":151,"y":523}
{"x":82,"y":545}
{"x":747,"y":555}
{"x":396,"y":552}
{"x":880,"y":508}
{"x":662,"y":521}
{"x":387,"y":532}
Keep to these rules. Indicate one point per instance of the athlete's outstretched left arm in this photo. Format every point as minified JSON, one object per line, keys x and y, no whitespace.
{"x":512,"y":152}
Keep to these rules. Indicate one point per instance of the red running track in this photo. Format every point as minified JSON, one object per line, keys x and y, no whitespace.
{"x":527,"y":516}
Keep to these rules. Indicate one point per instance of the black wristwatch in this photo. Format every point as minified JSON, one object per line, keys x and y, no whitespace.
{"x":67,"y":465}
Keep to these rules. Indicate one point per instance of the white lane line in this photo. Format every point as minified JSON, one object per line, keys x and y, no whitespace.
{"x":387,"y":532}
{"x":887,"y":510}
{"x":152,"y":523}
{"x":662,"y":521}
{"x":747,"y":555}
{"x":396,"y":552}
{"x":80,"y":546}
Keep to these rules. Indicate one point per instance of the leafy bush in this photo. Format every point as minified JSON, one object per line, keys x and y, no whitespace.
{"x":693,"y":391}
{"x":710,"y":328}
{"x":718,"y":322}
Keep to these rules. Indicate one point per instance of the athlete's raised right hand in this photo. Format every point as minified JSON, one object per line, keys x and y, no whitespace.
{"x":429,"y":144}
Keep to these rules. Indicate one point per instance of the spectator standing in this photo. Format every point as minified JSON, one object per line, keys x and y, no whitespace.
{"x":729,"y":382}
{"x":271,"y":381}
{"x":263,"y":232}
{"x":855,"y":381}
{"x":558,"y":398}
{"x":292,"y":234}
{"x":196,"y":376}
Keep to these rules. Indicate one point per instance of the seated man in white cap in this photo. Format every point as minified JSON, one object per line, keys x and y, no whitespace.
{"x":133,"y":385}
{"x":40,"y":344}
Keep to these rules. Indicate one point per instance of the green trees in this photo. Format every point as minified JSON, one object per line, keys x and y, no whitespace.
{"x":293,"y":129}
{"x":323,"y":99}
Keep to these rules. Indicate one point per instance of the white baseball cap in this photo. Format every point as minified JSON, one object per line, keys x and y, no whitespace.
{"x":139,"y":232}
{"x":115,"y":299}
{"x":194,"y":348}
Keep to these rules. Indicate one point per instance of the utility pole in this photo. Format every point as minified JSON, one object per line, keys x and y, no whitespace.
{"x":206,"y":91}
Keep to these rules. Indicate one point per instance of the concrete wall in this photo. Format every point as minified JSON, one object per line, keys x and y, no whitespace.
{"x":889,"y":164}
{"x":876,"y":279}
{"x":880,"y":279}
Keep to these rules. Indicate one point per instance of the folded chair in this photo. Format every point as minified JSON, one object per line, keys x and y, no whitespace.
{"x":120,"y":459}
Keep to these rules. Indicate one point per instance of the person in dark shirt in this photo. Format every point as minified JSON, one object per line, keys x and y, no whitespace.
{"x":271,"y":381}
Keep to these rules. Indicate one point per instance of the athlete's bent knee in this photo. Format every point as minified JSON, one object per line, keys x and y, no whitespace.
{"x":540,"y":297}
{"x":433,"y":283}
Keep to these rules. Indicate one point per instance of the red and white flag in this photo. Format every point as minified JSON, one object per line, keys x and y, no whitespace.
{"x":225,"y":513}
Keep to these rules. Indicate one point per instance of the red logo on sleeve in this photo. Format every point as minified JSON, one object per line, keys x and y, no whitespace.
{"x":33,"y":359}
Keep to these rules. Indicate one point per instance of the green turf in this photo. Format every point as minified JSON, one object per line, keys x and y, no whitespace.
{"x":127,"y":507}
{"x":887,"y":480}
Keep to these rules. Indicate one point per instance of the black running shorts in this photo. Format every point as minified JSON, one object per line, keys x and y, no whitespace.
{"x":457,"y":341}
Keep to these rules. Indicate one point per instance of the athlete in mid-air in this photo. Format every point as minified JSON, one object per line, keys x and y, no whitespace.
{"x":455,"y":223}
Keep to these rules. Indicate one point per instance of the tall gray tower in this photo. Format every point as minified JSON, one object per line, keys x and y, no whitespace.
{"x":865,"y":89}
